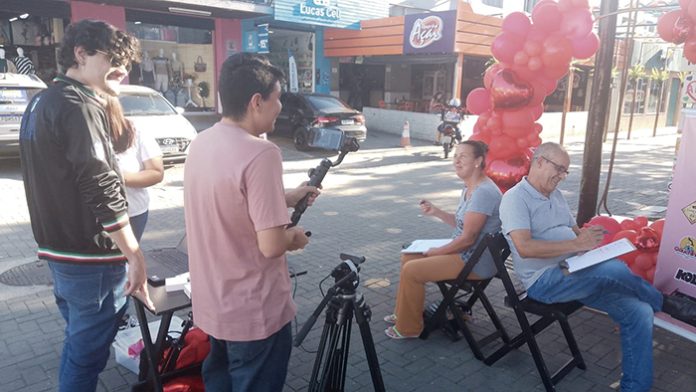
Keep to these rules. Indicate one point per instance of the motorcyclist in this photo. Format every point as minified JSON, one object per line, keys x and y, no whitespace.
{"x":452,"y":115}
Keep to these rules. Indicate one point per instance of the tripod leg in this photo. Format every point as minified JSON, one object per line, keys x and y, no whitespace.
{"x":333,"y":374}
{"x":326,"y":334}
{"x":362,"y":315}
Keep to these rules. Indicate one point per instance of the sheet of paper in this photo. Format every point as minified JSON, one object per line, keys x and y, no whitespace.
{"x":598,"y":255}
{"x":420,"y":246}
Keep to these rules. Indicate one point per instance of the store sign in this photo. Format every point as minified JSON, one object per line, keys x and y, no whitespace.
{"x":430,"y":33}
{"x":689,"y":90}
{"x":250,"y":39}
{"x":330,"y":13}
{"x":262,"y":34}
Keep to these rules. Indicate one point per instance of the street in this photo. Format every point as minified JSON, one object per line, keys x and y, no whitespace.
{"x":368,"y":207}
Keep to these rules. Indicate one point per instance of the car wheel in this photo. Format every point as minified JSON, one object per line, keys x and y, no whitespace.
{"x":300,"y":139}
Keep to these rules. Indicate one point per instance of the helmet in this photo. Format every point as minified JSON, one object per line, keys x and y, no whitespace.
{"x":455,"y":102}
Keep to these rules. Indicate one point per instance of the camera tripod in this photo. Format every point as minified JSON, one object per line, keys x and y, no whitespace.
{"x":334,"y":346}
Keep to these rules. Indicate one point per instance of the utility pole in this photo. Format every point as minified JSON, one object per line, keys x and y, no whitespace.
{"x":598,"y":113}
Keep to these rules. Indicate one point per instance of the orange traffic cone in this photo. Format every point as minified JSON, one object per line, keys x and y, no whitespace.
{"x":406,"y":135}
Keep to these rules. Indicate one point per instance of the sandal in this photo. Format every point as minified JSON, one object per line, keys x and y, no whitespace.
{"x":392,"y":333}
{"x":390,"y":319}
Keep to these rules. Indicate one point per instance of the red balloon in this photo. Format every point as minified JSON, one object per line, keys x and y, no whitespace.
{"x":645,"y":260}
{"x":638,"y":271}
{"x":532,"y":47}
{"x":690,"y":48}
{"x":518,"y":118}
{"x":640,"y":221}
{"x":534,"y":140}
{"x":522,"y":143}
{"x":504,"y":47}
{"x":629,"y":224}
{"x":585,"y":47}
{"x":490,"y":73}
{"x":576,"y":23}
{"x":547,"y":16}
{"x":495,"y":122}
{"x":481,"y":137}
{"x":521,"y":58}
{"x":503,"y":147}
{"x":549,"y":85}
{"x":517,"y":23}
{"x":507,"y":173}
{"x":609,"y":224}
{"x":518,"y":132}
{"x":538,"y":94}
{"x":536,"y":112}
{"x":523,"y":72}
{"x":692,"y":10}
{"x":684,"y":4}
{"x":658,"y":226}
{"x":557,"y":52}
{"x":565,"y":5}
{"x":665,"y":25}
{"x":682,"y":29}
{"x":478,"y":100}
{"x":508,"y":92}
{"x":581,"y":3}
{"x":534,"y":64}
{"x":650,"y":275}
{"x":538,"y":128}
{"x":557,"y":72}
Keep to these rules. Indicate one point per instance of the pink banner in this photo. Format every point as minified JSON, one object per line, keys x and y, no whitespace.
{"x":676,"y":261}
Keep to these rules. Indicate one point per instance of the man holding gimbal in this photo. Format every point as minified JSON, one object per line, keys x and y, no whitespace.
{"x":236,"y":218}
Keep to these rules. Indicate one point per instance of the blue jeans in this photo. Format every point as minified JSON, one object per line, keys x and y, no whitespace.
{"x":255,"y":366}
{"x":628,"y":299}
{"x":90,"y":299}
{"x":137,"y":224}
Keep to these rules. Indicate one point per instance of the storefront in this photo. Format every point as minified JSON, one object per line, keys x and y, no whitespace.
{"x":30,"y":32}
{"x":401,"y":63}
{"x":293,"y":38}
{"x":183,"y":48}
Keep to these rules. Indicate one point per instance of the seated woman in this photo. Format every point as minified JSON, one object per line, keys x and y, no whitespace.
{"x":476,"y":216}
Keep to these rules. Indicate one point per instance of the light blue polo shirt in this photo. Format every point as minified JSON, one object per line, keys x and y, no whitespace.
{"x":547,"y":218}
{"x":485,"y":199}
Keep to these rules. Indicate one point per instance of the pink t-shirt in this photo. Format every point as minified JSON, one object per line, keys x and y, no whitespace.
{"x":233,"y":188}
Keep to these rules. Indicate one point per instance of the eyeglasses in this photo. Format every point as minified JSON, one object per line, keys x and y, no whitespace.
{"x":560,"y":169}
{"x":115,"y":61}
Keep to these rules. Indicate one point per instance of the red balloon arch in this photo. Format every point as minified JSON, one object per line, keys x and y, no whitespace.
{"x":532,"y":56}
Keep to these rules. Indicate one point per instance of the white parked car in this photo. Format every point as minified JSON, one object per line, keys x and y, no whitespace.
{"x":15,"y":93}
{"x":150,"y":112}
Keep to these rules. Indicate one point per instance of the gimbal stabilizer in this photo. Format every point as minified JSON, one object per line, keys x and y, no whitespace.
{"x":317,"y":174}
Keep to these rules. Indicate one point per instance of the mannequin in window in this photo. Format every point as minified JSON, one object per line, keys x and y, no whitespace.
{"x":6,"y":65}
{"x":23,"y":64}
{"x":177,"y":72}
{"x":162,"y":70}
{"x":147,"y":70}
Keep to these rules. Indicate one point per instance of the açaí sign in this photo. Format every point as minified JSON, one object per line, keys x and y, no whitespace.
{"x":430,"y":33}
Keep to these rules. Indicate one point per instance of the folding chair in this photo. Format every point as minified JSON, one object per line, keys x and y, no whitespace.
{"x":548,"y":313}
{"x":475,"y":289}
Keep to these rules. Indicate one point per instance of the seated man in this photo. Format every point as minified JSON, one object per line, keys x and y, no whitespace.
{"x":541,"y":232}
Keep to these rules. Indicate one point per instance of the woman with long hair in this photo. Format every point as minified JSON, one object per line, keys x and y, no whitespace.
{"x":140,"y":160}
{"x":476,"y":216}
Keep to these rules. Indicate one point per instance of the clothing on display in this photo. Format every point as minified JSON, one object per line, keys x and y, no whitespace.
{"x":177,"y":68}
{"x":24,"y":65}
{"x":161,"y":67}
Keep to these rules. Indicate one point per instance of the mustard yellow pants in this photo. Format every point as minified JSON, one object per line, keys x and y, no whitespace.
{"x":416,"y":271}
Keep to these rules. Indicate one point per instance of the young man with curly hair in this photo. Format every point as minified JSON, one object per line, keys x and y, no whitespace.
{"x":76,"y":199}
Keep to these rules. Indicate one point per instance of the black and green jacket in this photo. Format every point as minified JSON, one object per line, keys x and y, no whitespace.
{"x":71,"y":178}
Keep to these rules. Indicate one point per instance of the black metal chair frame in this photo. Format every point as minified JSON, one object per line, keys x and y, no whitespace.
{"x":452,"y":292}
{"x":548,"y":313}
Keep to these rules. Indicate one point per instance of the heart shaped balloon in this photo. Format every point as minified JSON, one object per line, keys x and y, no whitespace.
{"x":508,"y":92}
{"x":681,"y":30}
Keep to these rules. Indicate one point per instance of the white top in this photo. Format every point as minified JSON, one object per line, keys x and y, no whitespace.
{"x":143,"y":149}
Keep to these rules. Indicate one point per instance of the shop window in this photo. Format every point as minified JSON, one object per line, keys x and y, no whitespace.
{"x":37,"y":36}
{"x":300,"y":44}
{"x":177,"y":61}
{"x":635,"y":92}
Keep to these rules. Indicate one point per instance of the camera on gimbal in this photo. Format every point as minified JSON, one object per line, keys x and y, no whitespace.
{"x":332,"y":139}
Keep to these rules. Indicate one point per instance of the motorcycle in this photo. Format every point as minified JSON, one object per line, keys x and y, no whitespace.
{"x":449,"y":128}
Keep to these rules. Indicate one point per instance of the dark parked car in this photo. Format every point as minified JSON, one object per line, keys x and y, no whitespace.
{"x":305,"y":116}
